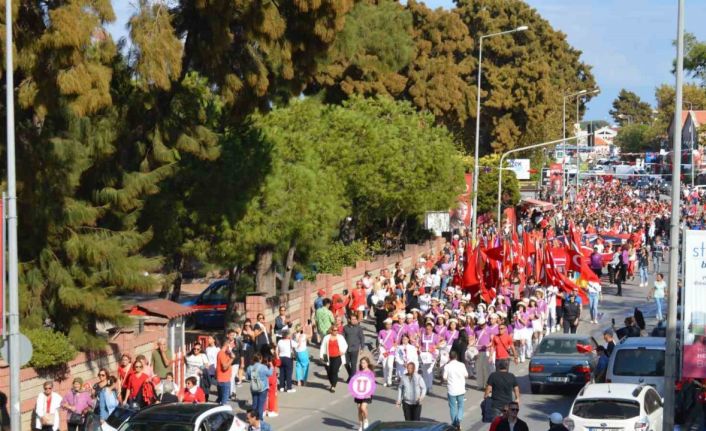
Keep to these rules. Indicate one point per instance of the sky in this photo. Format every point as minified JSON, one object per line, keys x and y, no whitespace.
{"x":628,"y":42}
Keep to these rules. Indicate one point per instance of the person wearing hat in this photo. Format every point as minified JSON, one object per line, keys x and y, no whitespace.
{"x":405,"y":353}
{"x":556,"y":422}
{"x":386,"y":343}
{"x":483,"y":340}
{"x":77,"y":403}
{"x":429,"y":344}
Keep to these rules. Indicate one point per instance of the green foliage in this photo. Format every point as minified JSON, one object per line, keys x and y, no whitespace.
{"x":331,"y":259}
{"x":695,"y":57}
{"x":637,"y":138}
{"x":50,"y":348}
{"x":694,"y":98}
{"x":628,"y":108}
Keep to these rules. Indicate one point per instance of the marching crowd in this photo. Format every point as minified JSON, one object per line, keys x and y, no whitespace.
{"x":431,"y":325}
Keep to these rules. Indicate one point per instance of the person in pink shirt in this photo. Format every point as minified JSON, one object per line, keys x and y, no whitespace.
{"x":77,"y":403}
{"x":387,"y":343}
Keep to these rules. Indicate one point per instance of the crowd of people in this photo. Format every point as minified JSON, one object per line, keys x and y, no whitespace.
{"x":431,"y":327}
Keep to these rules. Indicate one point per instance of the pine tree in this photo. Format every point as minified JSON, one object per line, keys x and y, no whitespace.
{"x":628,"y":108}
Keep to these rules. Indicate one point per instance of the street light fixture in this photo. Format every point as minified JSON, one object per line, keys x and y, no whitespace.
{"x":569,"y":96}
{"x":476,"y":157}
{"x":578,"y":162}
{"x":626,"y":117}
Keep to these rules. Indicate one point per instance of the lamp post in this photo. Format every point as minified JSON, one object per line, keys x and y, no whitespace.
{"x":670,"y":363}
{"x":578,"y":162}
{"x":563,"y":121}
{"x":13,"y":315}
{"x":626,"y":117}
{"x":515,"y":150}
{"x":474,"y":223}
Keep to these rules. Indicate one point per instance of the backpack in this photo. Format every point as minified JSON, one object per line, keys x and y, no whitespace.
{"x":146,"y":396}
{"x":256,"y":382}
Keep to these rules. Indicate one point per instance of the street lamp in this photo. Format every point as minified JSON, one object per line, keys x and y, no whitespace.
{"x":476,"y":155}
{"x":563,"y":116}
{"x":578,"y":162}
{"x":626,"y":117}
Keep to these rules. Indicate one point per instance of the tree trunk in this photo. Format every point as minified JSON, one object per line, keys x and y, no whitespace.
{"x":176,"y":285}
{"x":231,"y":315}
{"x":288,"y":266}
{"x":264,"y":275}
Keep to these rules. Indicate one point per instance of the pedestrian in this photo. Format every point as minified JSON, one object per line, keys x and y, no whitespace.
{"x":192,"y":391}
{"x":571,"y":313}
{"x":608,"y":337}
{"x":512,"y":422}
{"x":596,"y":262}
{"x":165,"y":393}
{"x":255,"y":422}
{"x":46,"y":410}
{"x":404,"y":354}
{"x":658,"y":292}
{"x":429,"y":344}
{"x":355,"y":338}
{"x":621,"y":275}
{"x":212,"y":356}
{"x":502,"y":349}
{"x":502,"y":389}
{"x":107,"y":399}
{"x":258,"y":375}
{"x":333,"y":354}
{"x":224,"y":370}
{"x":455,"y":375}
{"x":556,"y":422}
{"x":365,"y":367}
{"x":643,"y":264}
{"x":484,"y":338}
{"x":162,"y":359}
{"x":134,"y":383}
{"x":497,"y":419}
{"x":411,"y":392}
{"x":262,"y":335}
{"x":281,"y":322}
{"x":614,"y":265}
{"x":386,"y":348}
{"x":272,"y":405}
{"x":285,"y":353}
{"x":324,"y":318}
{"x":97,"y":388}
{"x":196,"y":363}
{"x":599,"y":372}
{"x":77,"y":403}
{"x":594,"y":295}
{"x":247,"y":348}
{"x":302,"y":355}
{"x":124,"y":368}
{"x":358,"y":302}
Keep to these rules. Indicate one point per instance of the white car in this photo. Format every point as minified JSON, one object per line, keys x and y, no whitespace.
{"x":638,"y":360}
{"x":184,"y":417}
{"x":616,"y":407}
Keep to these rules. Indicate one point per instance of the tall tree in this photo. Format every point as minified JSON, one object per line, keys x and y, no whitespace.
{"x":637,"y":138}
{"x":628,"y":108}
{"x":695,"y":57}
{"x":694,"y":98}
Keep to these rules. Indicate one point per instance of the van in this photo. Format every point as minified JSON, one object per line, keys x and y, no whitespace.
{"x":638,"y":360}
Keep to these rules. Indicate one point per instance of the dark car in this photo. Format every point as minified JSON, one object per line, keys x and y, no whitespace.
{"x":209,"y":306}
{"x":561,"y":360}
{"x":183,"y":417}
{"x":409,"y":426}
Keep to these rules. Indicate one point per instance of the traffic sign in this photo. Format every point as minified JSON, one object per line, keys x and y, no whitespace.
{"x":25,"y":350}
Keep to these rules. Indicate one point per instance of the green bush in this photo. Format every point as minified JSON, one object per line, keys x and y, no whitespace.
{"x":331,"y":259}
{"x":50,"y":348}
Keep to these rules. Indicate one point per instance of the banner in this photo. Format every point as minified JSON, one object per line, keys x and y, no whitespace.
{"x":521,"y":167}
{"x":556,"y":178}
{"x":694,"y":298}
{"x":461,"y":215}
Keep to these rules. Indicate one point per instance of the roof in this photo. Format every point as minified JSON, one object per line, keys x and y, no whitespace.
{"x":174,"y":412}
{"x":645,"y":341}
{"x":158,"y":307}
{"x":621,"y":391}
{"x":599,"y":142}
{"x":698,"y":116}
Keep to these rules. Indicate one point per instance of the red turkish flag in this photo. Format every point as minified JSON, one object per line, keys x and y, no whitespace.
{"x":471,"y":282}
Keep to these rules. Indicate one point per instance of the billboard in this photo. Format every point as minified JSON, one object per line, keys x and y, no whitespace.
{"x":694,"y":298}
{"x":461,"y":215}
{"x":438,"y":222}
{"x":521,"y":167}
{"x":556,"y":178}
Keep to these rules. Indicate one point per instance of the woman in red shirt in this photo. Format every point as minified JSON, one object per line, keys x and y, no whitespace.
{"x":192,"y":393}
{"x":124,"y":369}
{"x":134,"y":382}
{"x":332,"y":352}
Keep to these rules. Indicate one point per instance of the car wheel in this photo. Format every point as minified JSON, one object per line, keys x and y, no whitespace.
{"x":536,"y":388}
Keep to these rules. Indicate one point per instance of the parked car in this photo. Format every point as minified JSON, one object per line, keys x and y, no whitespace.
{"x":409,"y":426}
{"x":209,"y":306}
{"x":616,"y":406}
{"x":119,"y":416}
{"x":638,"y":360}
{"x":184,"y":417}
{"x":558,"y":361}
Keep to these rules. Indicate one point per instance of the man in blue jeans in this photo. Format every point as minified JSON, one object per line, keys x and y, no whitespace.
{"x":455,"y":375}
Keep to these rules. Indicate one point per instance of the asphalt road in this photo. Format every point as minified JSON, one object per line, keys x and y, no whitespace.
{"x":315,"y":408}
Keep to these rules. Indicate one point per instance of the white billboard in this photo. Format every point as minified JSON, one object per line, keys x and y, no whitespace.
{"x":521,"y":167}
{"x":694,"y":298}
{"x":438,"y":222}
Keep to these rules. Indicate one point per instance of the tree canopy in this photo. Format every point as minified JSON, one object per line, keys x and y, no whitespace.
{"x":637,"y":138}
{"x":695,"y":57}
{"x":628,"y":108}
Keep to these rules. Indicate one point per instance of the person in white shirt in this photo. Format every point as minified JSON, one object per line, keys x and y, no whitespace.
{"x":285,"y":352}
{"x":47,"y":409}
{"x":552,"y":322}
{"x":211,"y":354}
{"x":455,"y":375}
{"x":196,"y":362}
{"x":404,"y":354}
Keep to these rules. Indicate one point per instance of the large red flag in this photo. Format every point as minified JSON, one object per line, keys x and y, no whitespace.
{"x":471,"y":282}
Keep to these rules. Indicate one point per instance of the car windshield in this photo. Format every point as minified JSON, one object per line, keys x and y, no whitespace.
{"x":606,"y":409}
{"x":557,"y":346}
{"x":156,"y":426}
{"x":639,"y":362}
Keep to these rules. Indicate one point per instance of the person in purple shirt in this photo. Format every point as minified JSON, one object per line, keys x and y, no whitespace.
{"x":440,"y":327}
{"x":452,"y":333}
{"x":483,"y":338}
{"x":387,"y":343}
{"x":429,"y":343}
{"x":520,"y":322}
{"x":77,"y":402}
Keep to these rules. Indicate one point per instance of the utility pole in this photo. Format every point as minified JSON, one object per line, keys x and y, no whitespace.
{"x":13,"y":315}
{"x":670,"y":368}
